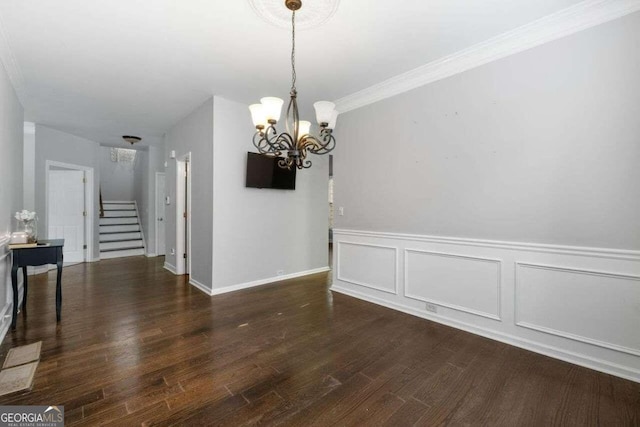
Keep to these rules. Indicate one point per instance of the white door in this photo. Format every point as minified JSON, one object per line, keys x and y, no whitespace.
{"x":66,"y":212}
{"x":160,"y":203}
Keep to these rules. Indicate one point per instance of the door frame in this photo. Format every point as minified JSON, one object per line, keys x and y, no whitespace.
{"x":155,"y":197}
{"x":88,"y":203}
{"x":181,"y":161}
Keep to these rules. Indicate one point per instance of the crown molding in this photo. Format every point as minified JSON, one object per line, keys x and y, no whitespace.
{"x":565,"y":22}
{"x":11,"y":64}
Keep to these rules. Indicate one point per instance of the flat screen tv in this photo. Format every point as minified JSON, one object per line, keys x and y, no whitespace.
{"x":264,"y":172}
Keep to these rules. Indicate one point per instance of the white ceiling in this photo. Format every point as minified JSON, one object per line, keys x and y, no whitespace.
{"x":101,"y":69}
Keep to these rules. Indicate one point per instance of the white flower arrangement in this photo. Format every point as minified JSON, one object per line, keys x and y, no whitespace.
{"x":25,"y":215}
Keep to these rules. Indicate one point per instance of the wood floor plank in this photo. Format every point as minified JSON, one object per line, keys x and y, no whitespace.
{"x":139,"y":346}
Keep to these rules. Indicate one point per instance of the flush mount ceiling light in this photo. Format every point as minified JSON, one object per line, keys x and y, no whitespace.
{"x":131,"y":139}
{"x":296,"y":142}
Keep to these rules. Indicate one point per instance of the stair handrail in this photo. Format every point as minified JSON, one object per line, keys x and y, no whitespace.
{"x":101,"y":204}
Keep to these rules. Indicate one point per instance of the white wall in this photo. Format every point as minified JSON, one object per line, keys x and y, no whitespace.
{"x":116,"y":178}
{"x":11,"y":197}
{"x":193,"y":134}
{"x":540,"y":150}
{"x":28,"y":166}
{"x":257,"y":232}
{"x":52,"y":144}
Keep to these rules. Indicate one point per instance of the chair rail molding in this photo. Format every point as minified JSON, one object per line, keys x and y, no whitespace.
{"x":565,"y":22}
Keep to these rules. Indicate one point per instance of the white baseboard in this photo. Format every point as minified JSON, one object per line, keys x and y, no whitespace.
{"x":149,"y":255}
{"x":5,"y":320}
{"x":200,"y":286}
{"x":218,"y":291}
{"x":171,"y":268}
{"x":557,"y":353}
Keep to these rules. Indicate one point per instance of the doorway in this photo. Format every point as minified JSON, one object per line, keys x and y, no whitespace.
{"x":160,"y":206}
{"x":183,"y":214}
{"x":69,"y":213}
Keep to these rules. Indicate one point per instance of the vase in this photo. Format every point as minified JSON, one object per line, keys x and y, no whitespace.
{"x":30,"y":226}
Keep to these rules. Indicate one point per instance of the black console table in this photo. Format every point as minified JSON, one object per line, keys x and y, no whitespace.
{"x":47,"y":252}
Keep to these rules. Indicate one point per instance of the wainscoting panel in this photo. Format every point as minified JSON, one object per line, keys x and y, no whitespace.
{"x":6,"y":290}
{"x":589,"y":306}
{"x":578,"y":304}
{"x":368,"y":265}
{"x":460,"y":282}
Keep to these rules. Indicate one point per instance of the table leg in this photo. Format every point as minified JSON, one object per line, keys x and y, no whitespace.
{"x":14,"y":285}
{"x":26,"y":287}
{"x":59,"y":290}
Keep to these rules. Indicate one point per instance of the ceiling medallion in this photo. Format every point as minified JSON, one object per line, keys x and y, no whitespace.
{"x":314,"y":13}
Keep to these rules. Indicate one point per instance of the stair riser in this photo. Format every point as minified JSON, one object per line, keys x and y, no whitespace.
{"x":118,"y":205}
{"x":107,"y":221}
{"x":119,"y":236}
{"x":121,"y":245}
{"x":120,"y":254}
{"x":110,"y":214}
{"x":117,"y":228}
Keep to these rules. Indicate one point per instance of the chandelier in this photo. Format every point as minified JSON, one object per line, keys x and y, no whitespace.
{"x":296,"y":142}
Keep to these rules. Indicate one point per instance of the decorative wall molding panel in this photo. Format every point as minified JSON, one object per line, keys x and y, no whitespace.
{"x":577,"y":304}
{"x":5,"y":276}
{"x":565,"y":22}
{"x":372,"y":266}
{"x":464,"y":283}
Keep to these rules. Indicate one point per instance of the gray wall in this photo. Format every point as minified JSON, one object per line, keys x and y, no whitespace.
{"x":542,"y":146}
{"x":141,"y":186}
{"x":52,"y":144}
{"x":116,"y":178}
{"x":147,"y":164}
{"x":11,"y":136}
{"x":193,"y":134}
{"x":257,"y":232}
{"x":28,"y":167}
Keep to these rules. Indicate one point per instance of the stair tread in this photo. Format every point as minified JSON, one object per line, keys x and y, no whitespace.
{"x":122,"y":249}
{"x":121,"y":240}
{"x":120,"y":232}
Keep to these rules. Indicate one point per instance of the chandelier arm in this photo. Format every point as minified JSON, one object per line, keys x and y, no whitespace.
{"x":325,"y":144}
{"x":265,"y":144}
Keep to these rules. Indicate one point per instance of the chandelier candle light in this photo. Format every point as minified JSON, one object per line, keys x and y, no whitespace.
{"x":296,"y":141}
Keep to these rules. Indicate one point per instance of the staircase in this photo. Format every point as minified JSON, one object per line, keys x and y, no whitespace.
{"x":120,"y":234}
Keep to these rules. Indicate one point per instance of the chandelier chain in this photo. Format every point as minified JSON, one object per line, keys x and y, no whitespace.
{"x":293,"y":51}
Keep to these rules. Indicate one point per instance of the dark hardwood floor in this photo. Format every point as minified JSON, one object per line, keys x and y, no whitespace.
{"x":138,"y":345}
